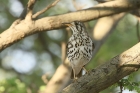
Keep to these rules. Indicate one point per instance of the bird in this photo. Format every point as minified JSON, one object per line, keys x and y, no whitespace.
{"x":79,"y":48}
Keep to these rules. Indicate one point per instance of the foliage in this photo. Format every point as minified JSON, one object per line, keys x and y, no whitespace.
{"x":12,"y":85}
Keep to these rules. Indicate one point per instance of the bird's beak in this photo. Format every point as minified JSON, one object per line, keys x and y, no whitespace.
{"x":67,"y":24}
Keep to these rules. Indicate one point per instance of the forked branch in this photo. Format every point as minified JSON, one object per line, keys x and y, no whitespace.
{"x":26,"y":28}
{"x":30,"y":7}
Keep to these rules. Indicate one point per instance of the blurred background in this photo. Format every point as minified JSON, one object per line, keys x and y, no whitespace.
{"x":23,"y":64}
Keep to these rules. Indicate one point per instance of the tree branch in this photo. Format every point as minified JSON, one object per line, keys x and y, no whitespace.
{"x":30,"y":6}
{"x":25,"y":28}
{"x":45,"y":9}
{"x":107,"y":74}
{"x":59,"y":79}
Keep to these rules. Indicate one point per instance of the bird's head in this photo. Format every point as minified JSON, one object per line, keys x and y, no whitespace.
{"x":76,"y":27}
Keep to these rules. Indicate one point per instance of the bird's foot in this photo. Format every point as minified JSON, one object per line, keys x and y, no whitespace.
{"x":75,"y":79}
{"x":87,"y":72}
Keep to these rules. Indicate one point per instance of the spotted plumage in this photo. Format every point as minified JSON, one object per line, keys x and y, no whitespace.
{"x":79,"y":47}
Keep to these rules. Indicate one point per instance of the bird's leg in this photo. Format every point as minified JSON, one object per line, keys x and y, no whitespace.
{"x":85,"y":70}
{"x":75,"y":78}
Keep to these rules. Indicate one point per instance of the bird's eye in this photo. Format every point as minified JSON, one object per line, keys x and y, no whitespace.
{"x":76,"y":23}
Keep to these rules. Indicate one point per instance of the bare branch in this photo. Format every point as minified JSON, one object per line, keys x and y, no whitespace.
{"x":63,"y":78}
{"x":59,"y":79}
{"x":107,"y":74}
{"x":25,"y":28}
{"x":45,"y":9}
{"x":30,"y":6}
{"x":44,"y":78}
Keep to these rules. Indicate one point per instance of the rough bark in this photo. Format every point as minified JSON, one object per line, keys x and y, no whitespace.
{"x":107,"y":74}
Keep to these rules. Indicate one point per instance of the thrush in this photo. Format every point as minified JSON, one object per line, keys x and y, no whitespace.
{"x":79,"y":48}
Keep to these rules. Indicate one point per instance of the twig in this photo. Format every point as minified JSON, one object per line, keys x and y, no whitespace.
{"x":44,"y":78}
{"x":30,"y":6}
{"x":45,"y":9}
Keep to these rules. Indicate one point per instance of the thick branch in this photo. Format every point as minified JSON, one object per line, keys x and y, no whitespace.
{"x":105,"y":75}
{"x":25,"y":28}
{"x":59,"y":79}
